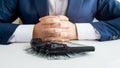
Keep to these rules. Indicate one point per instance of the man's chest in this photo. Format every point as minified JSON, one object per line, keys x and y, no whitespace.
{"x":76,"y":10}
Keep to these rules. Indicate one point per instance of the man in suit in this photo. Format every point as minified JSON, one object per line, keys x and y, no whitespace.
{"x":59,"y":20}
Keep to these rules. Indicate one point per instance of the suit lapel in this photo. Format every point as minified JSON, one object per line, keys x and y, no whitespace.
{"x":42,"y":7}
{"x":74,"y":7}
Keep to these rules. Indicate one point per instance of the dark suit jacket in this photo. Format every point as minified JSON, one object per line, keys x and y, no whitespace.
{"x":78,"y":11}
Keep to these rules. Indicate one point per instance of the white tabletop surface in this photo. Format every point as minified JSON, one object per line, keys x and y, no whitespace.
{"x":106,"y":55}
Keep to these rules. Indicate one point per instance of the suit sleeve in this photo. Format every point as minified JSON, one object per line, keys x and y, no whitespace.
{"x":108,"y":14}
{"x":8,"y":13}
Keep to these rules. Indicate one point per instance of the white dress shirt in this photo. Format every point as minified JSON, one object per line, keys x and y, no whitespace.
{"x":85,"y":31}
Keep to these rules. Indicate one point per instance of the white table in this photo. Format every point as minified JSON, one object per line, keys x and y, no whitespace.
{"x":106,"y":55}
